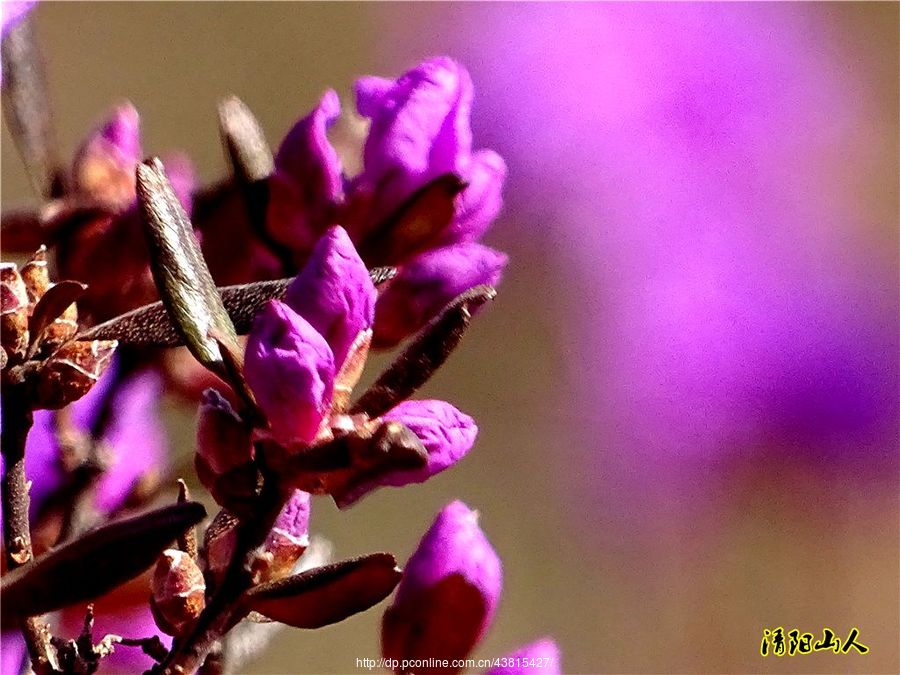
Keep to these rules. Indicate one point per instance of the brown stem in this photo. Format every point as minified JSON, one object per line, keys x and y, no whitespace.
{"x":17,"y":421}
{"x":224,"y":609}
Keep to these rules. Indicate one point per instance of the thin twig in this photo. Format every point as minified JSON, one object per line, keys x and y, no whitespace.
{"x":17,"y":421}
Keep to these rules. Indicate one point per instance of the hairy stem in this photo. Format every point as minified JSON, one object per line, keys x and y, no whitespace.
{"x":17,"y":421}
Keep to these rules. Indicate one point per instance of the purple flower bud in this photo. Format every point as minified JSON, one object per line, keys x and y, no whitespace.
{"x":334,"y":292}
{"x":104,"y":165}
{"x":427,"y":283}
{"x":290,"y":369}
{"x":448,"y":593}
{"x":540,"y":656}
{"x":420,"y":129}
{"x":446,"y":433}
{"x":307,"y":182}
{"x":289,"y":537}
{"x":11,"y":12}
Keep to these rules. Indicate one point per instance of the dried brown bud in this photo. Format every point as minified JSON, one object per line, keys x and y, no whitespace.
{"x":178,"y":591}
{"x":36,"y":277}
{"x":14,"y":311}
{"x":71,"y":372}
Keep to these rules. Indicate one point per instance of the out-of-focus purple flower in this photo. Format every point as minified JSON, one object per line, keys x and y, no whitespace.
{"x":307,"y":183}
{"x":12,"y":652}
{"x":446,"y":433}
{"x":428,"y":282}
{"x":104,"y":165}
{"x":290,"y":368}
{"x":133,"y":440}
{"x":448,"y":594}
{"x":11,"y":12}
{"x":334,"y":292}
{"x":104,"y":170}
{"x":289,"y":537}
{"x":540,"y":656}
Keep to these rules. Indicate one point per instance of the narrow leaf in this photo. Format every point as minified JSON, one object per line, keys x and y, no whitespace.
{"x":28,"y":110}
{"x":96,"y":563}
{"x":326,"y":595}
{"x":251,"y":162}
{"x":245,"y":143}
{"x":424,"y":355}
{"x":151,"y":326}
{"x":181,"y":274}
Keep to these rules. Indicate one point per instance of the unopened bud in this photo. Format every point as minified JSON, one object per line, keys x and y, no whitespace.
{"x":224,"y":459}
{"x":36,"y":277}
{"x":289,"y":537}
{"x":178,"y":591}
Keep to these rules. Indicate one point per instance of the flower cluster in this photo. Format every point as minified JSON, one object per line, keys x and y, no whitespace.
{"x":282,"y":423}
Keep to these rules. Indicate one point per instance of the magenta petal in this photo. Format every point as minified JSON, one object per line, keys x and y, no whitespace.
{"x":540,"y":657}
{"x":290,"y":369}
{"x":480,"y":202}
{"x":420,"y":128}
{"x":426,"y":284}
{"x":334,"y":292}
{"x":449,"y":591}
{"x":370,"y":92}
{"x":445,"y":432}
{"x":307,"y":182}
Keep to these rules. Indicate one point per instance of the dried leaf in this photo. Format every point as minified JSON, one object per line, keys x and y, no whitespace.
{"x":326,"y":595}
{"x":181,"y":274}
{"x":424,"y":355}
{"x":418,"y":223}
{"x":151,"y":326}
{"x":250,"y":157}
{"x":94,"y":564}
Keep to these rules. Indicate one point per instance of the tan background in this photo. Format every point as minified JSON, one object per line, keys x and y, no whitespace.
{"x":685,"y":589}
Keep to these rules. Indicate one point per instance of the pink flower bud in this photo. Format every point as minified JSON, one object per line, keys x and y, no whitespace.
{"x":290,"y":369}
{"x":334,"y":292}
{"x":426,"y":284}
{"x":448,"y":594}
{"x":446,"y":433}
